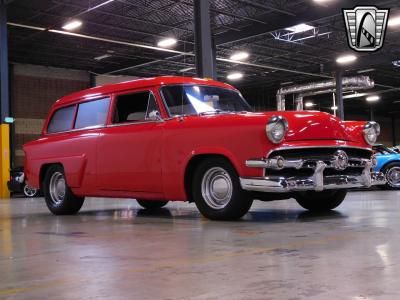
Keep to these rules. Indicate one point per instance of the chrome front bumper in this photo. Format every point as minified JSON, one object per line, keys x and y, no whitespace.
{"x":317,"y":182}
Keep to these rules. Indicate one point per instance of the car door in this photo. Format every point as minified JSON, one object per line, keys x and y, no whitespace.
{"x":129,"y":149}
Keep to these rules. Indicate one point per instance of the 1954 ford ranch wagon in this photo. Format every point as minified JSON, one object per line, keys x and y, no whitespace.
{"x":186,"y":139}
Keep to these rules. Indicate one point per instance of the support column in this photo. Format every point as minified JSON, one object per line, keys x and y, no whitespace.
{"x":4,"y":104}
{"x":371,"y":113}
{"x":205,"y":58}
{"x":339,"y":93}
{"x":394,"y":131}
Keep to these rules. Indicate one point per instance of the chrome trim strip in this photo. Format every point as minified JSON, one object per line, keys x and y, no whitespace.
{"x":317,"y":147}
{"x":317,"y":182}
{"x":271,"y":163}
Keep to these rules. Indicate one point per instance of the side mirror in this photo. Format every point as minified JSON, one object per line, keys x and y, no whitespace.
{"x":154,"y":115}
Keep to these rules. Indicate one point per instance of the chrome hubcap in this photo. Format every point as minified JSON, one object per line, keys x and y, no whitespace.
{"x":29,"y":191}
{"x":57,"y":188}
{"x":216,"y":188}
{"x":393,"y":176}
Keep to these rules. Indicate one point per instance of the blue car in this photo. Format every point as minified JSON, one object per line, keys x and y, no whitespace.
{"x":388,"y":162}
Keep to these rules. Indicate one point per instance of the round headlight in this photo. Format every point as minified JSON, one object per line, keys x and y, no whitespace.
{"x":276,"y":129}
{"x":371,"y":132}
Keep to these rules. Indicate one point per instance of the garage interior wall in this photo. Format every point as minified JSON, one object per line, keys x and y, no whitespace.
{"x":33,"y":90}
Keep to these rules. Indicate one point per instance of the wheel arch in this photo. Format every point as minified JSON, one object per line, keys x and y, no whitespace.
{"x":193,"y":163}
{"x":43,"y":170}
{"x":390,"y":162}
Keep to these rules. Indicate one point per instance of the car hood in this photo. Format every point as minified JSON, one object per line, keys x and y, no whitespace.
{"x":315,"y":125}
{"x":302,"y":126}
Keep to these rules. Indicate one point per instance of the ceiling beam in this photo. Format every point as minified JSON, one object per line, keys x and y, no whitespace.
{"x":314,"y":13}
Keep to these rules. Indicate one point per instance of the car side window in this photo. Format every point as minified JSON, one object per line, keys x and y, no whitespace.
{"x":92,"y":113}
{"x":62,"y":119}
{"x":136,"y":107}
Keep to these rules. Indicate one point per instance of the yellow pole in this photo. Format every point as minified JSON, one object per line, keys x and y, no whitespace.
{"x":4,"y":160}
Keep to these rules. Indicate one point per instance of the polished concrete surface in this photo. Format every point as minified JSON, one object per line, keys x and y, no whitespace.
{"x":115,"y":250}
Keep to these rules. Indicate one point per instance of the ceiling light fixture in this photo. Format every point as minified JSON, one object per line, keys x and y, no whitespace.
{"x":373,"y":98}
{"x":101,"y":57}
{"x":300,"y":28}
{"x":168,"y":42}
{"x":396,"y":63}
{"x":72,"y":25}
{"x":395,"y":21}
{"x":186,"y":69}
{"x":235,"y":76}
{"x":365,"y":71}
{"x":346,"y":59}
{"x":239,"y":56}
{"x":309,"y":104}
{"x":355,"y":95}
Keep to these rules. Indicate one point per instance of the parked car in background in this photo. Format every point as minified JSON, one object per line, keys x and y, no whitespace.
{"x":17,"y":183}
{"x":197,"y":140}
{"x":388,"y":162}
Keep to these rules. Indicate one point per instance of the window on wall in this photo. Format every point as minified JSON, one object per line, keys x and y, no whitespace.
{"x":62,"y":119}
{"x":93,"y":113}
{"x":136,"y":107}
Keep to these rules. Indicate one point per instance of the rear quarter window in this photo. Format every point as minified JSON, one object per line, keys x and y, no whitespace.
{"x":61,"y":120}
{"x":93,"y":113}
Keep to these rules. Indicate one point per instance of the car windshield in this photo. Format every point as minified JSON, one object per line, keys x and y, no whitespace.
{"x":200,"y":99}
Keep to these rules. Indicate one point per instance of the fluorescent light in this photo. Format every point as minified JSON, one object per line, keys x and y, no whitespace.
{"x":73,"y":24}
{"x":365,"y":71}
{"x":186,"y":69}
{"x":345,"y":59}
{"x":300,"y":28}
{"x":373,"y":98}
{"x":101,"y":57}
{"x":355,"y":95}
{"x":309,"y":104}
{"x":168,"y":42}
{"x":395,"y":21}
{"x":235,"y":76}
{"x":334,"y":108}
{"x":239,"y":56}
{"x":321,"y":1}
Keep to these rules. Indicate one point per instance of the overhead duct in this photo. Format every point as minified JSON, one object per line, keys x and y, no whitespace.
{"x":322,"y":87}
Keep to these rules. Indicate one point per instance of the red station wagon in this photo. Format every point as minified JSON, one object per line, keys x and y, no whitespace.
{"x":188,"y":139}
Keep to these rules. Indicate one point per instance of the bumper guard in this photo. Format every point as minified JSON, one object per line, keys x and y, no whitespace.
{"x":317,"y":182}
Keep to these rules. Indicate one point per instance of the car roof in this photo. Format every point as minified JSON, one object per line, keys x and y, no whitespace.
{"x":138,"y":83}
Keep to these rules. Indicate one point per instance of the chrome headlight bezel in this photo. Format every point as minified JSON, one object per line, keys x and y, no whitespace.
{"x":371,"y":132}
{"x":276,"y":123}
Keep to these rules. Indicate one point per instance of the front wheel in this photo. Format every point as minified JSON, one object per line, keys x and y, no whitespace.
{"x":392,"y":174}
{"x":217,"y":192}
{"x":59,"y":198}
{"x":29,"y":192}
{"x":320,"y":201}
{"x":151,"y":204}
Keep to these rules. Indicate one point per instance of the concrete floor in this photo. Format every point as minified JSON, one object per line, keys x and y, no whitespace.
{"x":115,"y":250}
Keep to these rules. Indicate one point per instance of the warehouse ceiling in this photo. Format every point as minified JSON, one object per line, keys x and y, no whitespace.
{"x":114,"y":36}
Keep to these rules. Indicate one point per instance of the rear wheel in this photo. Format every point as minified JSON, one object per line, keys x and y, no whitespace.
{"x":392,"y":175}
{"x":59,"y":198}
{"x":150,"y":204}
{"x":217,"y":192}
{"x":320,"y":201}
